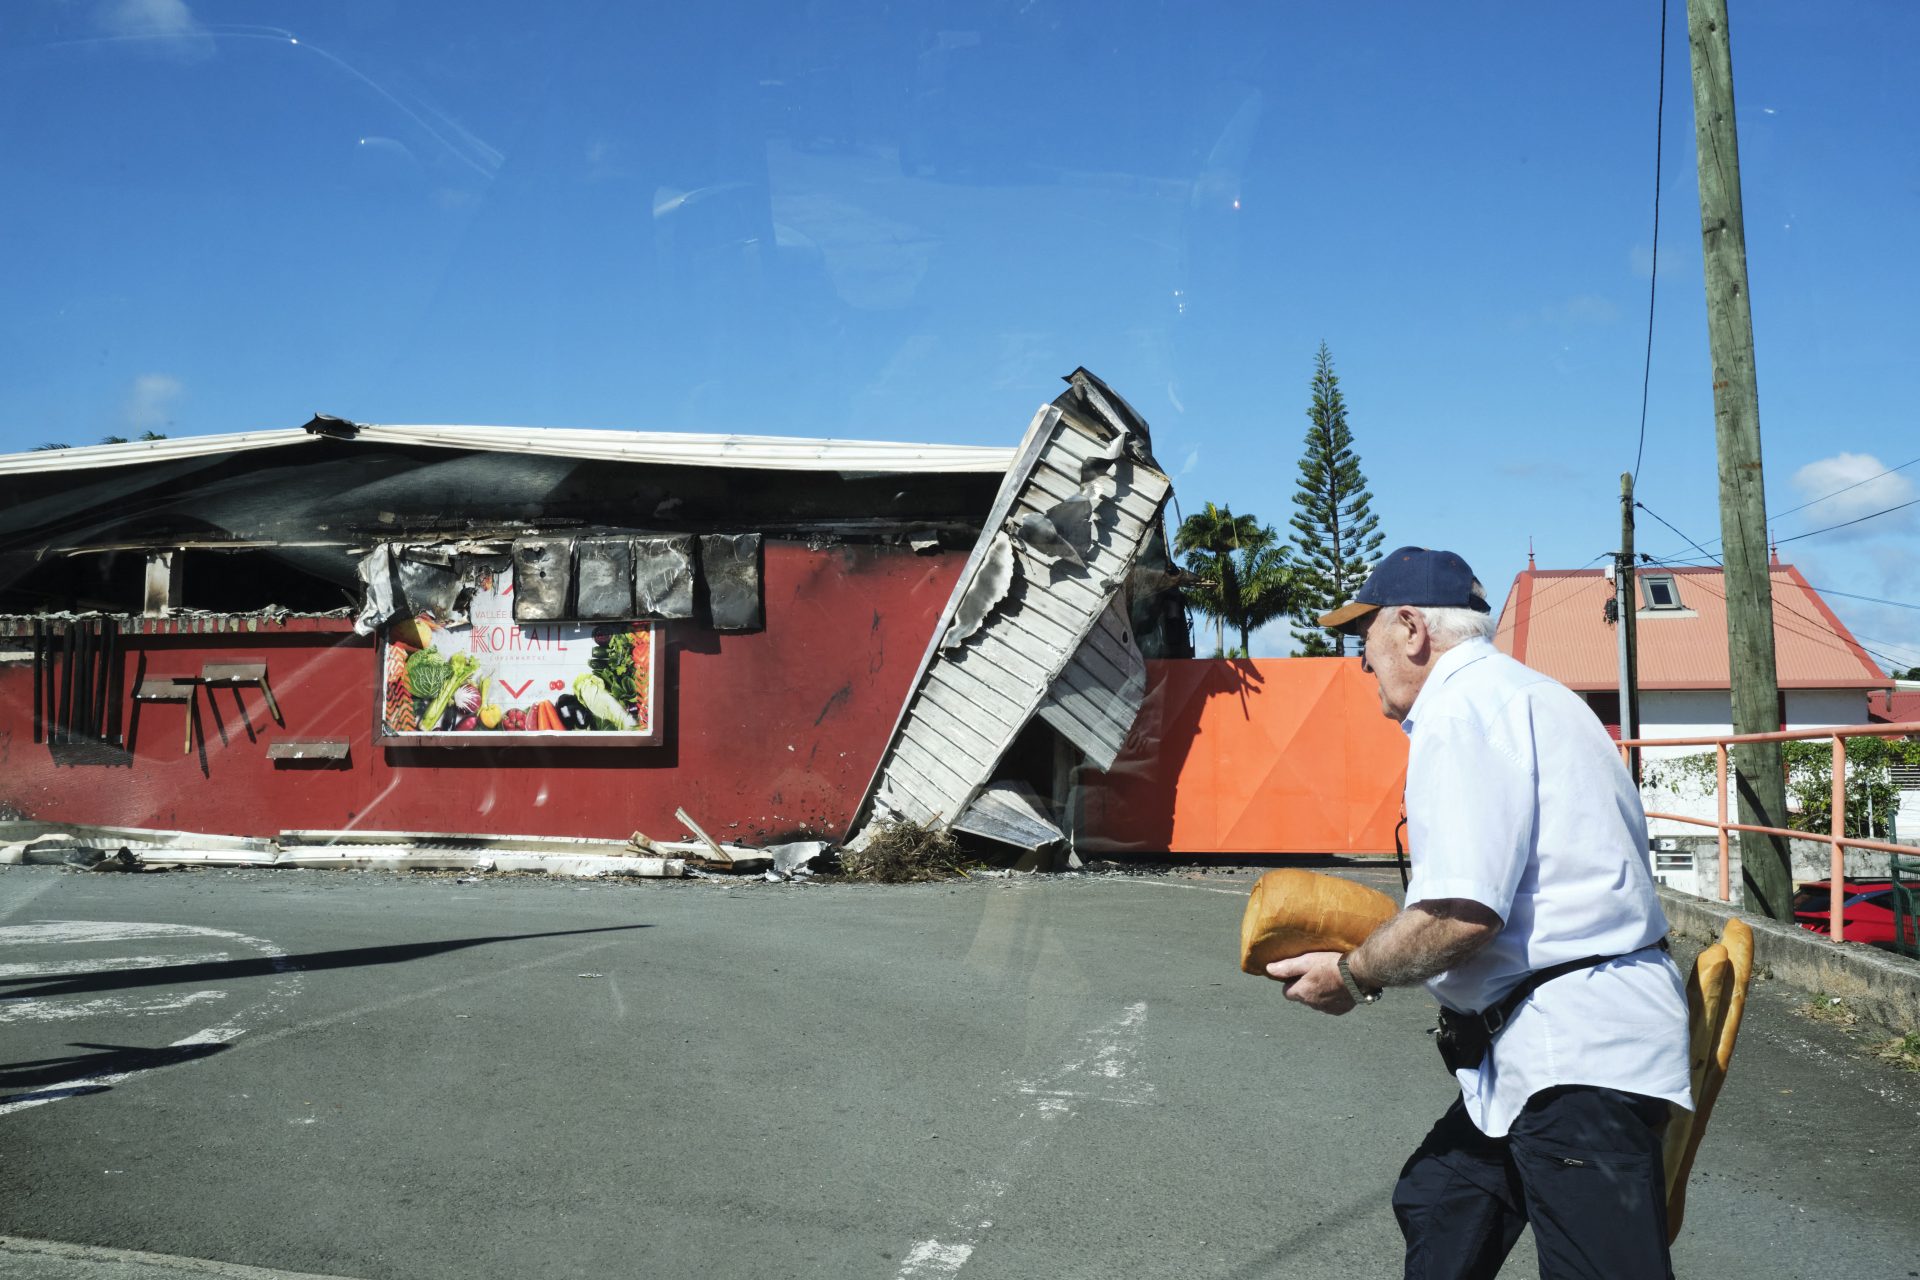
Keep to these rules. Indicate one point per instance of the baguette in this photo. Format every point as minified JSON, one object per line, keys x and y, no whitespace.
{"x":1291,"y":912}
{"x":1716,"y":1001}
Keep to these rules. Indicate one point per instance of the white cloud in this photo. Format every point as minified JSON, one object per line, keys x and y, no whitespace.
{"x":1579,"y":311}
{"x":1866,"y":491}
{"x":149,"y":402}
{"x":1640,"y":261}
{"x":169,"y":25}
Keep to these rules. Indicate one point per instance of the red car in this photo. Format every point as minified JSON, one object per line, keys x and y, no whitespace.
{"x":1867,"y":910}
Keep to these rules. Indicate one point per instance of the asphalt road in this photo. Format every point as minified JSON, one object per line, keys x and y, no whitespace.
{"x":372,"y":1076}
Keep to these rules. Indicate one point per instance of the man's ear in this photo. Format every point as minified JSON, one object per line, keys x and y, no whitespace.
{"x":1419,"y":643}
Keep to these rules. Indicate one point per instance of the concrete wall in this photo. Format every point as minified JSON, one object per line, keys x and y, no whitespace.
{"x":1690,"y":864}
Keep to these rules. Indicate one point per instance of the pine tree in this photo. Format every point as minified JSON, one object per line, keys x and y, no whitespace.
{"x":1335,"y":531}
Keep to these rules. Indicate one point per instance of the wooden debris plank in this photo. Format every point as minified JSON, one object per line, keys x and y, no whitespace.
{"x":984,"y":726}
{"x":1047,"y":602}
{"x":1092,"y":710}
{"x":946,"y":785}
{"x":1021,"y":677}
{"x":1011,"y":813}
{"x":947,"y":715}
{"x":993,"y":703}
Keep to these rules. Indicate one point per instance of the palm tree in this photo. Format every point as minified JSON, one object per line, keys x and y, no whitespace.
{"x":1209,"y":540}
{"x":1270,"y":587}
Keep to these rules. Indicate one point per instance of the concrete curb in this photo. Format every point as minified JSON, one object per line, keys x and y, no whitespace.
{"x":1876,"y":984}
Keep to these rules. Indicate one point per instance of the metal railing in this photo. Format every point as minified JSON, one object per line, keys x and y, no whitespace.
{"x":1838,"y":841}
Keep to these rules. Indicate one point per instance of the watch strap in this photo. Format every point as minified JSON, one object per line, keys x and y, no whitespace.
{"x":1360,"y":994}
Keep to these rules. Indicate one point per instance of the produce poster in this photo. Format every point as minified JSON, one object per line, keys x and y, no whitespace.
{"x":493,"y":681}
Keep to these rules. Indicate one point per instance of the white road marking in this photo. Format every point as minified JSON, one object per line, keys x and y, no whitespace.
{"x":61,"y":968}
{"x":1107,"y":1059}
{"x":931,"y":1258}
{"x":65,"y":931}
{"x":67,"y":1011}
{"x":1170,"y":884}
{"x":290,"y":984}
{"x":51,"y":933}
{"x":19,"y":1247}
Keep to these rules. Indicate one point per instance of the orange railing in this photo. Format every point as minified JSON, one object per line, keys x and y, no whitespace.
{"x":1838,"y":841}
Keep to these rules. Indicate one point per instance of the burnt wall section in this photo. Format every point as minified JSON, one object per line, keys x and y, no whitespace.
{"x":317,"y":507}
{"x":769,"y":734}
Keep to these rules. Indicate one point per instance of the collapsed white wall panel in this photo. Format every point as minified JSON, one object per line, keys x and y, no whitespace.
{"x":1050,"y":639}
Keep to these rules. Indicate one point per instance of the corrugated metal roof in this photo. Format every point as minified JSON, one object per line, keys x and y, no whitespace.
{"x":1899,"y":705}
{"x":1097,"y":697}
{"x":664,"y":448}
{"x":1027,"y":645}
{"x":1553,"y":622}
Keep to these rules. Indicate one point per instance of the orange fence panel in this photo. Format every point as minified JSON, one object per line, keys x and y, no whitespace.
{"x":1238,"y":756}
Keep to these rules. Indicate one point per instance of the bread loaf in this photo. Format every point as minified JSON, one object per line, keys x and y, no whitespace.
{"x":1716,"y":1001}
{"x":1291,"y":912}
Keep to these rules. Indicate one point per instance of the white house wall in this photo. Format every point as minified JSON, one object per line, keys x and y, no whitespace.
{"x":1701,"y":713}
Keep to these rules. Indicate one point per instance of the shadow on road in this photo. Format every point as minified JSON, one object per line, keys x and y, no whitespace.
{"x":1281,"y":1258}
{"x":41,"y":987}
{"x":102,"y":1060}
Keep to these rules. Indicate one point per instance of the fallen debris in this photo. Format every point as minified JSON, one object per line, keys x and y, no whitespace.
{"x":719,"y":854}
{"x":796,"y":857}
{"x":111,"y":849}
{"x":902,"y":852}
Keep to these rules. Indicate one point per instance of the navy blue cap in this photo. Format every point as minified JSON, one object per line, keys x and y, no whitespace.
{"x":1415,"y":576}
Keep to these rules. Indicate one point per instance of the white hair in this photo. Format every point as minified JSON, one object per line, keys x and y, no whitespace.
{"x":1448,"y":626}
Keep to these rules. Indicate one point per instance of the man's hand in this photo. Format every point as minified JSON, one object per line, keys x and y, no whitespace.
{"x":1314,"y":980}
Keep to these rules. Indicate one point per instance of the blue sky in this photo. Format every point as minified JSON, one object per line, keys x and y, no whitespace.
{"x":906,"y":221}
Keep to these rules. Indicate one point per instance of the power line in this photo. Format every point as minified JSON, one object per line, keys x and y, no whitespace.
{"x":1824,"y":632}
{"x":1657,"y":516}
{"x":1833,"y":591}
{"x":1855,"y":485}
{"x":1885,"y":511}
{"x":1653,"y":283}
{"x":1817,"y":501}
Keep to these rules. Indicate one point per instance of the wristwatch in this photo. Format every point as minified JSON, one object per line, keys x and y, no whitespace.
{"x":1360,"y":994}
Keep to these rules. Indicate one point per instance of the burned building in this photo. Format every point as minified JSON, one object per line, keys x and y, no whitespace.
{"x":559,"y":632}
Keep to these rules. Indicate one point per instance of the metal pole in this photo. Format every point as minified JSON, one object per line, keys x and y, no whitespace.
{"x":1726,"y":873}
{"x":1766,"y":863}
{"x":64,"y":718}
{"x":39,"y":656}
{"x":1837,"y":873}
{"x":1629,"y":621}
{"x":1623,"y":602}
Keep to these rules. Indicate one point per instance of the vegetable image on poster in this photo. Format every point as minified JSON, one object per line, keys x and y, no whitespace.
{"x":494,"y":681}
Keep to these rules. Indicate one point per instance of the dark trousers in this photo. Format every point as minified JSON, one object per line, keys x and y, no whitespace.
{"x":1582,"y":1164}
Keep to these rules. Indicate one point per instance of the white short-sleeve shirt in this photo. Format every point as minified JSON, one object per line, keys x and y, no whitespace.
{"x":1517,"y":799}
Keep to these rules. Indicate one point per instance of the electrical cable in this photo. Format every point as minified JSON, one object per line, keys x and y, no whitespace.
{"x":1822,"y":498}
{"x":1885,"y":511}
{"x":1653,"y":282}
{"x":1823,"y":632}
{"x":1657,"y":516}
{"x":1835,"y":591}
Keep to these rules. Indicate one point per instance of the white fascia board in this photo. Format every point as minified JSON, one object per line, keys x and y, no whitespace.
{"x":662,"y":448}
{"x":137,"y":452}
{"x":669,"y":448}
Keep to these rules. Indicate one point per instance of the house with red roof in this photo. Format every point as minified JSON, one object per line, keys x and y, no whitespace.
{"x":1556,"y":621}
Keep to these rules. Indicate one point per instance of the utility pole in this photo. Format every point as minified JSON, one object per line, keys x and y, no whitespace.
{"x":1628,"y":594}
{"x":1766,"y":866}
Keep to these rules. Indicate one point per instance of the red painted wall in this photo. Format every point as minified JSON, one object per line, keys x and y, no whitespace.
{"x":769,"y":734}
{"x":1273,"y":755}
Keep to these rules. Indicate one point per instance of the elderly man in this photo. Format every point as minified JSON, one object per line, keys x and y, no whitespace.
{"x":1531,"y":916}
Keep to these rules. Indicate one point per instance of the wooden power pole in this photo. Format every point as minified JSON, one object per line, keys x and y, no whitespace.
{"x":1766,"y":866}
{"x":1629,"y":597}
